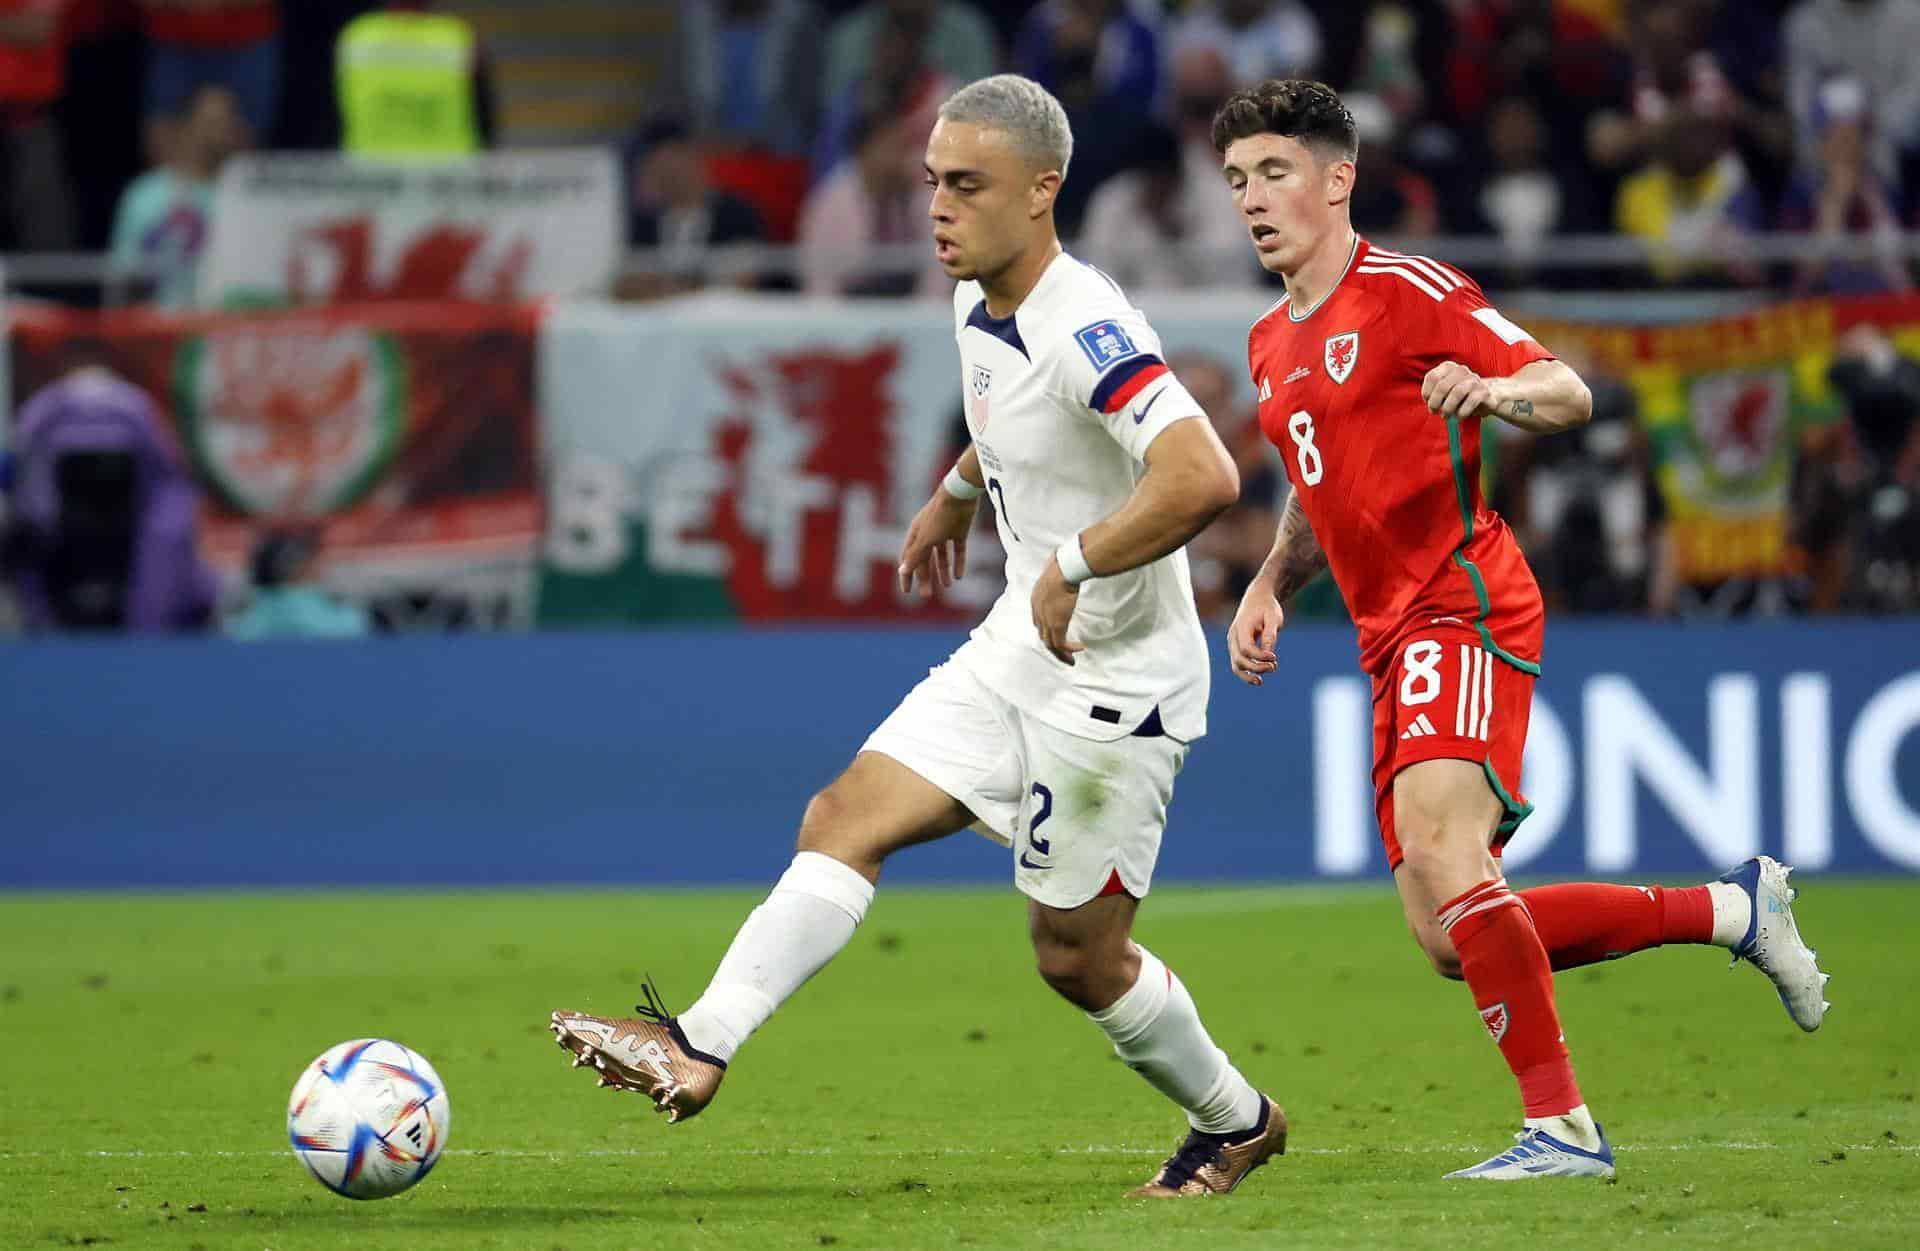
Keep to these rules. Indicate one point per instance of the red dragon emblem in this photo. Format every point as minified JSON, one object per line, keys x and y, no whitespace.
{"x":1342,"y":351}
{"x":1495,"y":1019}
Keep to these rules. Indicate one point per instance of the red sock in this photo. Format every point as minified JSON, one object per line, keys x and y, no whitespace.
{"x":1587,"y":922}
{"x":1506,"y":968}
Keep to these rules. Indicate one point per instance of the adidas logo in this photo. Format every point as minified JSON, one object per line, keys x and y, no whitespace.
{"x":1299,"y":373}
{"x":1266,"y":388}
{"x":1420,"y":728}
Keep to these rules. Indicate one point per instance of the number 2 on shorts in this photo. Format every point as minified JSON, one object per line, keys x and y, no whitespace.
{"x":1045,"y":796}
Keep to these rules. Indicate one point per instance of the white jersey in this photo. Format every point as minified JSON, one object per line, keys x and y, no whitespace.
{"x":1063,"y":399}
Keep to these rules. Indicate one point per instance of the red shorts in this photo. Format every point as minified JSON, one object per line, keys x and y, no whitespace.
{"x":1447,"y":698}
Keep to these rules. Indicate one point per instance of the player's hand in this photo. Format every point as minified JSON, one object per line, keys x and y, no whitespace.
{"x":1453,"y":390}
{"x":935,"y":553}
{"x":1053,"y":603}
{"x":1251,"y":637}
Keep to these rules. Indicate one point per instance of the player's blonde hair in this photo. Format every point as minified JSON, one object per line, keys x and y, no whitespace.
{"x":1023,"y":110}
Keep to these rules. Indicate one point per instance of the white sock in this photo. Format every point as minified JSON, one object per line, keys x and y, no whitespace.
{"x":1574,"y":1127}
{"x":809,"y":917}
{"x":1157,"y":1031}
{"x":1732,"y":913}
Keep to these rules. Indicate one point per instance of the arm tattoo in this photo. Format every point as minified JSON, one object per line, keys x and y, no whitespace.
{"x":1520,"y":410}
{"x":1296,"y":556}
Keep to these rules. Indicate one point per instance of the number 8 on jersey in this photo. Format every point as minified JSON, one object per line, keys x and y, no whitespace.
{"x":1300,"y":426}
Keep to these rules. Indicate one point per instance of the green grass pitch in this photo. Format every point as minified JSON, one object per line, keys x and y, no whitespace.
{"x":926,"y":1090}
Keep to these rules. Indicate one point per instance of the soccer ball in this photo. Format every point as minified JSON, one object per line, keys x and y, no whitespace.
{"x":368,"y":1118}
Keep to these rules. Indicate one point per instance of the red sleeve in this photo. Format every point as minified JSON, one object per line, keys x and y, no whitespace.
{"x":1483,"y":340}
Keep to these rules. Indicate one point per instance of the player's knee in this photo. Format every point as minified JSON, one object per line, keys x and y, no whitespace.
{"x":1421,"y":852}
{"x":1061,"y":965}
{"x":829,"y":825}
{"x":1071,"y":969}
{"x":1430,"y":849}
{"x":1089,"y":975}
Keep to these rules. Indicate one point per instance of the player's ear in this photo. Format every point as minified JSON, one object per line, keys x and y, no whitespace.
{"x":1340,"y":177}
{"x":1042,"y":192}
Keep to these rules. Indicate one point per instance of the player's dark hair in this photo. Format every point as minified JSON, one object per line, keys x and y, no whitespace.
{"x":1296,"y":108}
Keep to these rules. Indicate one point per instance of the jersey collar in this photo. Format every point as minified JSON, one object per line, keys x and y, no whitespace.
{"x":1007,"y":329}
{"x":1353,"y":255}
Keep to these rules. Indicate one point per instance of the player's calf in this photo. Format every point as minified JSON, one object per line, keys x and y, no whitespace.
{"x":1085,"y":954}
{"x":1435,"y":945}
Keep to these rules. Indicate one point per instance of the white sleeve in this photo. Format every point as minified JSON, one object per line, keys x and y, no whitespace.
{"x":1113,"y":367}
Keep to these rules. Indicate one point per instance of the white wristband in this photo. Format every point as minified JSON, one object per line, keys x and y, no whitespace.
{"x":1073,"y":562}
{"x":958,"y":487}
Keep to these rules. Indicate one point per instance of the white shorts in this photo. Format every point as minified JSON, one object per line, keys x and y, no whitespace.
{"x":1074,"y":811}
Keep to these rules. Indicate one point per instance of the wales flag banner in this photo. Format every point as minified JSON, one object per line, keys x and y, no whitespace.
{"x":405,"y":435}
{"x":730,"y":457}
{"x":1727,"y":405}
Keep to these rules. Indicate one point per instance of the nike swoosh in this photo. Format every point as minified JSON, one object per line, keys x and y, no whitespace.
{"x":1028,"y":864}
{"x":1142,"y":414}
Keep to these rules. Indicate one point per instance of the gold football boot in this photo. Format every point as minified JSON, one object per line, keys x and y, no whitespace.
{"x":1213,"y":1164}
{"x":647,"y":1054}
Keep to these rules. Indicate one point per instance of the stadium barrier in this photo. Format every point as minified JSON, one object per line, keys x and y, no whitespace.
{"x":684,"y":757}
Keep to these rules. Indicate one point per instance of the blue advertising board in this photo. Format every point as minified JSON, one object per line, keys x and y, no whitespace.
{"x":686,"y":757}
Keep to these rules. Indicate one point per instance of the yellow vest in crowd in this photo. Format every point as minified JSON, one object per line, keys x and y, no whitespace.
{"x":406,"y":85}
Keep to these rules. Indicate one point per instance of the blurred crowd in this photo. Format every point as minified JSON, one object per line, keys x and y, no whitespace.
{"x":1684,"y":124}
{"x":117,"y":115}
{"x":1679,"y":123}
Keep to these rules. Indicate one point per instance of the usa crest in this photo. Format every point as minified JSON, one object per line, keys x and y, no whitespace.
{"x":1342,"y":351}
{"x":982,"y":382}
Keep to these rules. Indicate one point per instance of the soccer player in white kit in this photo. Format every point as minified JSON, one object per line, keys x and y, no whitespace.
{"x":1060,"y":724}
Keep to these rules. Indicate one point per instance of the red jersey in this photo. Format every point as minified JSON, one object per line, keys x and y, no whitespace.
{"x":1392,"y":490}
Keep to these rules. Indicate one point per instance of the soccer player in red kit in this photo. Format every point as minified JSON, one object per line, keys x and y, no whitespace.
{"x":1374,"y":374}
